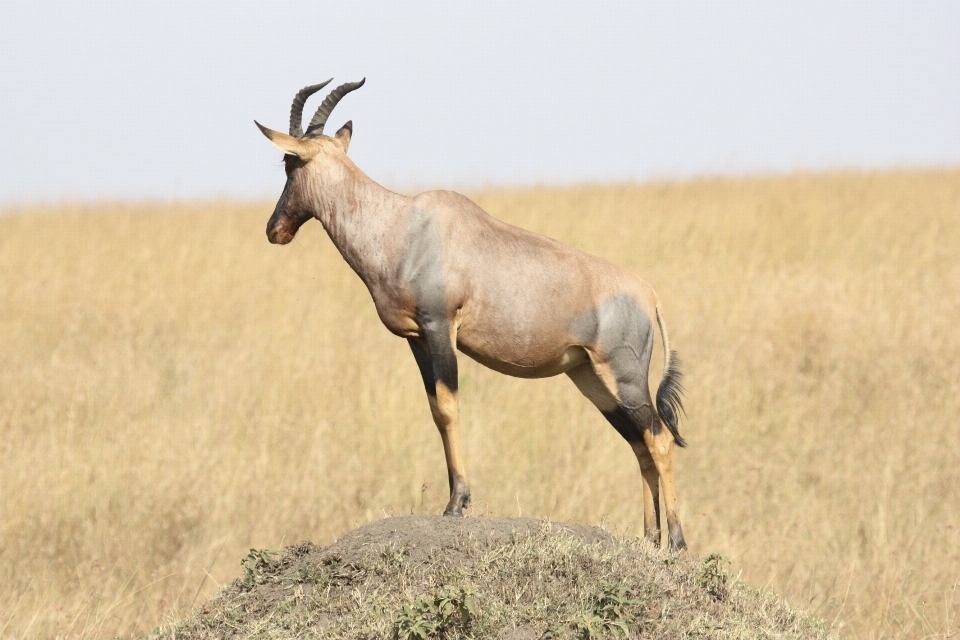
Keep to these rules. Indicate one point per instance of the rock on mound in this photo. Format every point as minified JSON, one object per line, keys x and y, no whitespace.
{"x":429,"y":576}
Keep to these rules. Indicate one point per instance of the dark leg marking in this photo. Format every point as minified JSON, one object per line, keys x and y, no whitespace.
{"x":624,"y":424}
{"x":422,"y":356}
{"x":444,"y":359}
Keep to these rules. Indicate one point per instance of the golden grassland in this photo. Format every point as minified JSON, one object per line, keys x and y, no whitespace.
{"x":174,"y":390}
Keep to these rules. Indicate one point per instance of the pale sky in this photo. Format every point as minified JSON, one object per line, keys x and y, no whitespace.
{"x":157,"y":99}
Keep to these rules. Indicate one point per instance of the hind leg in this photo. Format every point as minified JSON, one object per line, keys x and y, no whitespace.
{"x":660,"y":448}
{"x":591,"y":385}
{"x":619,"y":389}
{"x":651,"y":493}
{"x":627,"y":379}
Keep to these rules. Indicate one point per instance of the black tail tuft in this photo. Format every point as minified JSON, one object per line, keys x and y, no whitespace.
{"x":669,"y":402}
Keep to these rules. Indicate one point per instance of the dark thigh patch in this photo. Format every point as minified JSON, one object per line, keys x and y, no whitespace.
{"x":624,"y":424}
{"x":623,"y":333}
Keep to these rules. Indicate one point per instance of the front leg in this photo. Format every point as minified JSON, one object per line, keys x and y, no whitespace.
{"x":438,"y":366}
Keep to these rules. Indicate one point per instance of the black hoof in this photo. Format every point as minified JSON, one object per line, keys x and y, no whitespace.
{"x":459,"y":499}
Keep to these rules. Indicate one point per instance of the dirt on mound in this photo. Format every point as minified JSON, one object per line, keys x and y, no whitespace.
{"x":434,"y":577}
{"x":428,"y":539}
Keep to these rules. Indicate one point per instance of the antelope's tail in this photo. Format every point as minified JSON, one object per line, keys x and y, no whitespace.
{"x":670,"y":392}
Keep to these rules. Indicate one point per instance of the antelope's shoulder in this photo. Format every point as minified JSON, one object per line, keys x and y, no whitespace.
{"x":447,"y":207}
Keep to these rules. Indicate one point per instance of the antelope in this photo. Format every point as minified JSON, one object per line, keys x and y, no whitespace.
{"x":446,"y":275}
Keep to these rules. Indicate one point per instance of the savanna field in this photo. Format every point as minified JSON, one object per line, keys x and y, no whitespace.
{"x":174,"y":390}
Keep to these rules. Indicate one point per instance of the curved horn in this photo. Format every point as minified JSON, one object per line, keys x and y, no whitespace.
{"x":320,"y":118}
{"x":296,"y":109}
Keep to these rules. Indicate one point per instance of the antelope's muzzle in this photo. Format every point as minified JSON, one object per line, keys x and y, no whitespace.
{"x":281,"y":228}
{"x":278,"y":233}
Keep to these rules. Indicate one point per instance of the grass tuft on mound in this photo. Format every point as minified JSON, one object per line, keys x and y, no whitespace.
{"x":419,"y":577}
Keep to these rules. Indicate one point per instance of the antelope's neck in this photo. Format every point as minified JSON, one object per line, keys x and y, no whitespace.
{"x":361,"y":218}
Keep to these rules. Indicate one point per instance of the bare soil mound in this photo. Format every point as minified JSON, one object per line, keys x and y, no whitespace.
{"x":434,"y":577}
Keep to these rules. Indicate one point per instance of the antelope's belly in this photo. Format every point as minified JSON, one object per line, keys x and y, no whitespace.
{"x":534,"y":363}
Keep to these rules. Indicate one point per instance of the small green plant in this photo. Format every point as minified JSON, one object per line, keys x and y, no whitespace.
{"x":608,"y":613}
{"x":713,"y":576}
{"x":589,"y":625}
{"x":414,"y":621}
{"x":432,"y":616}
{"x":612,"y":602}
{"x":312,"y":574}
{"x":256,"y":563}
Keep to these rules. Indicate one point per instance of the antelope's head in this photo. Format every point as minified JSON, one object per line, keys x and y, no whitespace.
{"x":301,"y":151}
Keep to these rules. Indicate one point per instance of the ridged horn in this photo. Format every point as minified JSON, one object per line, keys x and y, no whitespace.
{"x":296,"y":109}
{"x":320,"y":117}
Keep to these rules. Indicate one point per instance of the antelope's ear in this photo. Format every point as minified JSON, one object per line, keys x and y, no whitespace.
{"x":344,"y":135}
{"x":303,"y":148}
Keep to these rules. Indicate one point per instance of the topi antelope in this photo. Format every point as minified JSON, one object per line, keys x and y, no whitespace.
{"x":444,"y":274}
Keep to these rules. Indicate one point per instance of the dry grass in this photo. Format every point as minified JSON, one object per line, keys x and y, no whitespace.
{"x":419,"y":577}
{"x":174,"y":390}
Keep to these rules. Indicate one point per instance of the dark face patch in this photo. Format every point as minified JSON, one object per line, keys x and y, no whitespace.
{"x":290,"y":212}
